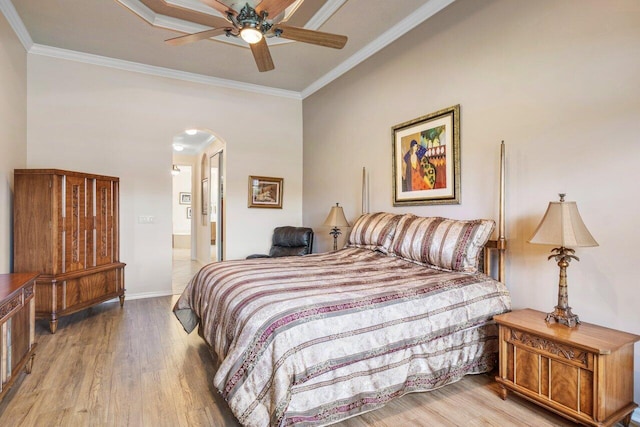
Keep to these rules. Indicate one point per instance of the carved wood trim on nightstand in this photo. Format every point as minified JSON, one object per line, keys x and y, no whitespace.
{"x":565,"y":351}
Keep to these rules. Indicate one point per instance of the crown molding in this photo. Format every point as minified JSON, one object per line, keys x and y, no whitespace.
{"x":419,"y":16}
{"x":10,"y":13}
{"x":325,"y":12}
{"x":137,"y":67}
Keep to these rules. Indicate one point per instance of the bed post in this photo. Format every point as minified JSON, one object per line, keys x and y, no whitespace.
{"x":365,"y":192}
{"x":502,"y":242}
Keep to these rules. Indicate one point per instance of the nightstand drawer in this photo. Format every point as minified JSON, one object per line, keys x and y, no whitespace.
{"x":551,"y":349}
{"x":555,"y":372}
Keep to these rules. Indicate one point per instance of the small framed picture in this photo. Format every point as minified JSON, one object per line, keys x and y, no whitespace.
{"x":188,"y":212}
{"x":265,"y":192}
{"x":185,"y":198}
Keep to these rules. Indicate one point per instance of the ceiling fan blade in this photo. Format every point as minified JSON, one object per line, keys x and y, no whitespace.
{"x":220,"y":7}
{"x":262,"y":55}
{"x":189,"y":38}
{"x":310,"y":36}
{"x":273,"y":7}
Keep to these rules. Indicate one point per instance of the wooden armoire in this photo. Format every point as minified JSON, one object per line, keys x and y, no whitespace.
{"x":65,"y":227}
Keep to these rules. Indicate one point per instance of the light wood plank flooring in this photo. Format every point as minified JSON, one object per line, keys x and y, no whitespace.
{"x":183,"y":269}
{"x":136,"y":366}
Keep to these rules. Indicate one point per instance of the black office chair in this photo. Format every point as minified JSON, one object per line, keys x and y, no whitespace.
{"x":289,"y":241}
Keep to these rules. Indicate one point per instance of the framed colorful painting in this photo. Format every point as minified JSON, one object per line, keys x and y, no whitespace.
{"x":265,"y":192}
{"x":426,"y":159}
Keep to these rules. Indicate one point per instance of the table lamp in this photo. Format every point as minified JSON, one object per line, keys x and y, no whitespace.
{"x":562,"y":226}
{"x":336,"y":219}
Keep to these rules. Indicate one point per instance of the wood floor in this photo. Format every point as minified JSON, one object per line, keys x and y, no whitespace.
{"x":183,"y":269}
{"x":136,"y":366}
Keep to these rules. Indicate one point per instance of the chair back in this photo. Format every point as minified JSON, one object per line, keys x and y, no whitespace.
{"x":291,"y":241}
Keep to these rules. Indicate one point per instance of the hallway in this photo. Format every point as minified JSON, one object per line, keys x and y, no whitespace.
{"x":183,"y":269}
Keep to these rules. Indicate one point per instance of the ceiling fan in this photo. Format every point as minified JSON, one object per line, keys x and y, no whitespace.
{"x":254,"y":26}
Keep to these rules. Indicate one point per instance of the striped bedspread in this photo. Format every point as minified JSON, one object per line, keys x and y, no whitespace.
{"x":312,"y":340}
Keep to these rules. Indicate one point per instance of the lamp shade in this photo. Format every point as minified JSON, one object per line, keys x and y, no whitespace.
{"x":336,"y":217}
{"x":563,"y":226}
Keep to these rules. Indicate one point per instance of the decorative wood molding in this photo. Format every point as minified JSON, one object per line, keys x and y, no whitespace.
{"x":11,"y":305}
{"x":551,"y":347}
{"x":28,"y":291}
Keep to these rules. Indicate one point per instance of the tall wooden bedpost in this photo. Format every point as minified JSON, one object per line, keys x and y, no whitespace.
{"x":502,"y":241}
{"x":500,"y":244}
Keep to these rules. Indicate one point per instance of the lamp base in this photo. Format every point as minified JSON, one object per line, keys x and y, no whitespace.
{"x":563,"y":316}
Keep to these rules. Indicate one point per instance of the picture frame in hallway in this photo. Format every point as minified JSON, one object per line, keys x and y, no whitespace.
{"x":189,"y":212}
{"x":185,"y":198}
{"x":265,"y":192}
{"x":426,"y":159}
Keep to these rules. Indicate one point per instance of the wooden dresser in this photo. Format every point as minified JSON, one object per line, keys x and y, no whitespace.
{"x":17,"y":333}
{"x":583,"y":373}
{"x":66,"y":228}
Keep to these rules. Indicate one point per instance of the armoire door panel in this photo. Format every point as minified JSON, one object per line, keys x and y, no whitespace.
{"x":74,"y":224}
{"x":91,"y":223}
{"x":104,"y":222}
{"x":34,"y":230}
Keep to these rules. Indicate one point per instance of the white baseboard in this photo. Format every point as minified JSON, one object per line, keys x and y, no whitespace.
{"x":142,"y":295}
{"x":635,"y":416}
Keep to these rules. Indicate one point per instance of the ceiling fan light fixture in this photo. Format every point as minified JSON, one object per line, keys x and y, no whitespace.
{"x":250,"y":35}
{"x":191,"y":132}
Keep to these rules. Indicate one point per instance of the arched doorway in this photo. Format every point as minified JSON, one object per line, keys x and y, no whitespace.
{"x":216,"y":204}
{"x":196,"y":148}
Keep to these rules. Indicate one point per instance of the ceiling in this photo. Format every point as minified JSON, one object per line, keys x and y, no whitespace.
{"x":110,"y":33}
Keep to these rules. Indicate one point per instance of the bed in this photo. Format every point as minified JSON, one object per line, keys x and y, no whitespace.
{"x":316,"y":339}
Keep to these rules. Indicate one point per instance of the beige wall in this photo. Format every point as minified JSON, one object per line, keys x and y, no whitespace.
{"x":107,"y":121}
{"x":13,"y":130}
{"x":559,"y":82}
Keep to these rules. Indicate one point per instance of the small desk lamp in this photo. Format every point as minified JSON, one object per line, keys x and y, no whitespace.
{"x":562,"y":226}
{"x":336,"y":219}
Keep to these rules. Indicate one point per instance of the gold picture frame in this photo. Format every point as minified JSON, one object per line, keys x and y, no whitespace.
{"x":426,"y":159}
{"x":265,"y":192}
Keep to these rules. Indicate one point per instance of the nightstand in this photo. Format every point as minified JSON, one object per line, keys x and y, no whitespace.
{"x":583,"y":373}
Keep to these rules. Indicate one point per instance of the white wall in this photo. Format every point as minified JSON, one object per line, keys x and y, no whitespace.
{"x":559,"y":82}
{"x":13,"y":130}
{"x":181,"y":184}
{"x":113,"y":122}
